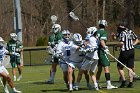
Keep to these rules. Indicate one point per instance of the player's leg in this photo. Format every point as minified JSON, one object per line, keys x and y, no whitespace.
{"x":92,"y":73}
{"x":19,"y":67}
{"x":120,"y":69}
{"x":106,"y":65}
{"x":13,"y":65}
{"x":98,"y":74}
{"x":87,"y":79}
{"x":14,"y":70}
{"x":93,"y":78}
{"x":7,"y":78}
{"x":130,"y":64}
{"x":53,"y":71}
{"x":70,"y":77}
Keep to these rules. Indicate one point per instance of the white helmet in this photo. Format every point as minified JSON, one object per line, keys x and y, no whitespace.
{"x":77,"y":38}
{"x":91,"y":30}
{"x":66,"y":34}
{"x":103,"y":22}
{"x":56,"y":28}
{"x":1,"y":42}
{"x":1,"y":39}
{"x":13,"y":36}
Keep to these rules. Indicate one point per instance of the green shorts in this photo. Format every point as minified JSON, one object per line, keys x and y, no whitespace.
{"x":15,"y":60}
{"x":103,"y":59}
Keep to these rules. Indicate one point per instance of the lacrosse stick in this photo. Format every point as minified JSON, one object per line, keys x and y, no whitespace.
{"x":1,"y":82}
{"x":133,"y":73}
{"x":75,"y":18}
{"x":69,"y":64}
{"x":54,"y":19}
{"x":71,"y":11}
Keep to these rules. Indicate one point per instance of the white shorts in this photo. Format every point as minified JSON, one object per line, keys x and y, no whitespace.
{"x":3,"y":69}
{"x":90,"y":65}
{"x":76,"y":64}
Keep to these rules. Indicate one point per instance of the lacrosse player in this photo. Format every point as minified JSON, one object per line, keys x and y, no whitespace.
{"x":102,"y":53}
{"x":91,"y":58}
{"x":3,"y":71}
{"x":76,"y":59}
{"x":63,"y":52}
{"x":127,"y":39}
{"x":14,"y":47}
{"x":54,"y":39}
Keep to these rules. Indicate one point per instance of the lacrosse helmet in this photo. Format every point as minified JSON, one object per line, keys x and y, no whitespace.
{"x":56,"y":28}
{"x":13,"y":36}
{"x":91,"y":30}
{"x":1,"y":42}
{"x":66,"y":34}
{"x":103,"y":22}
{"x":77,"y":38}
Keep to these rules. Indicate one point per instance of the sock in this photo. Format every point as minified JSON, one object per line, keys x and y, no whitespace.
{"x":14,"y":76}
{"x":14,"y":89}
{"x":70,"y":85}
{"x":107,"y":76}
{"x":108,"y":83}
{"x":96,"y":84}
{"x":52,"y":76}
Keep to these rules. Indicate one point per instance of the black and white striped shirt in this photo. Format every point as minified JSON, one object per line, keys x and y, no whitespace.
{"x":127,"y":38}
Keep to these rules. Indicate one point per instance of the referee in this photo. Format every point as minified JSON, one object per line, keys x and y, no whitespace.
{"x":127,"y":39}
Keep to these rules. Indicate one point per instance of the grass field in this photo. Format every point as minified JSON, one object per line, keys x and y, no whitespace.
{"x":35,"y":76}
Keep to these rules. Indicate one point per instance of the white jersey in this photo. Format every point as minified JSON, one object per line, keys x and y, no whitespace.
{"x":76,"y":56}
{"x":64,"y":49}
{"x":93,"y":43}
{"x":3,"y":52}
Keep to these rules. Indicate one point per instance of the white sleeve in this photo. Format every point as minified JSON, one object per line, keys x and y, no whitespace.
{"x":59,"y":47}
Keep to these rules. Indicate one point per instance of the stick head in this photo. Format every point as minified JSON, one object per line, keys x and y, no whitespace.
{"x":54,"y":19}
{"x":73,"y":16}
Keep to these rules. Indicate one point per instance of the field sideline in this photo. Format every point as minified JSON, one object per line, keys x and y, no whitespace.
{"x":35,"y":76}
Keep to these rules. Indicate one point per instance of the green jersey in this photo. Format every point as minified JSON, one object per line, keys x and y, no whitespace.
{"x":55,"y":38}
{"x":14,"y":46}
{"x":102,"y":35}
{"x":103,"y":59}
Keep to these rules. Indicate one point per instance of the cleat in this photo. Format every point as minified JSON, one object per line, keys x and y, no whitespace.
{"x":16,"y":91}
{"x":71,"y":89}
{"x":67,"y":85}
{"x":15,"y":79}
{"x":96,"y":88}
{"x":89,"y":86}
{"x":123,"y":84}
{"x":50,"y":82}
{"x":76,"y":87}
{"x":130,"y":85}
{"x":6,"y":89}
{"x":111,"y":87}
{"x":19,"y":78}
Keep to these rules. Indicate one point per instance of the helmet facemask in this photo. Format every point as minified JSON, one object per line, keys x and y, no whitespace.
{"x":77,"y":38}
{"x":66,"y":34}
{"x":13,"y":36}
{"x":56,"y":28}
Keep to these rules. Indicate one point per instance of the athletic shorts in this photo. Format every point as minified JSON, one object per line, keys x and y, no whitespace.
{"x":90,"y":65}
{"x":127,"y":58}
{"x":63,"y":66}
{"x":15,"y":60}
{"x":103,"y":60}
{"x":76,"y":64}
{"x":3,"y":69}
{"x":55,"y":60}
